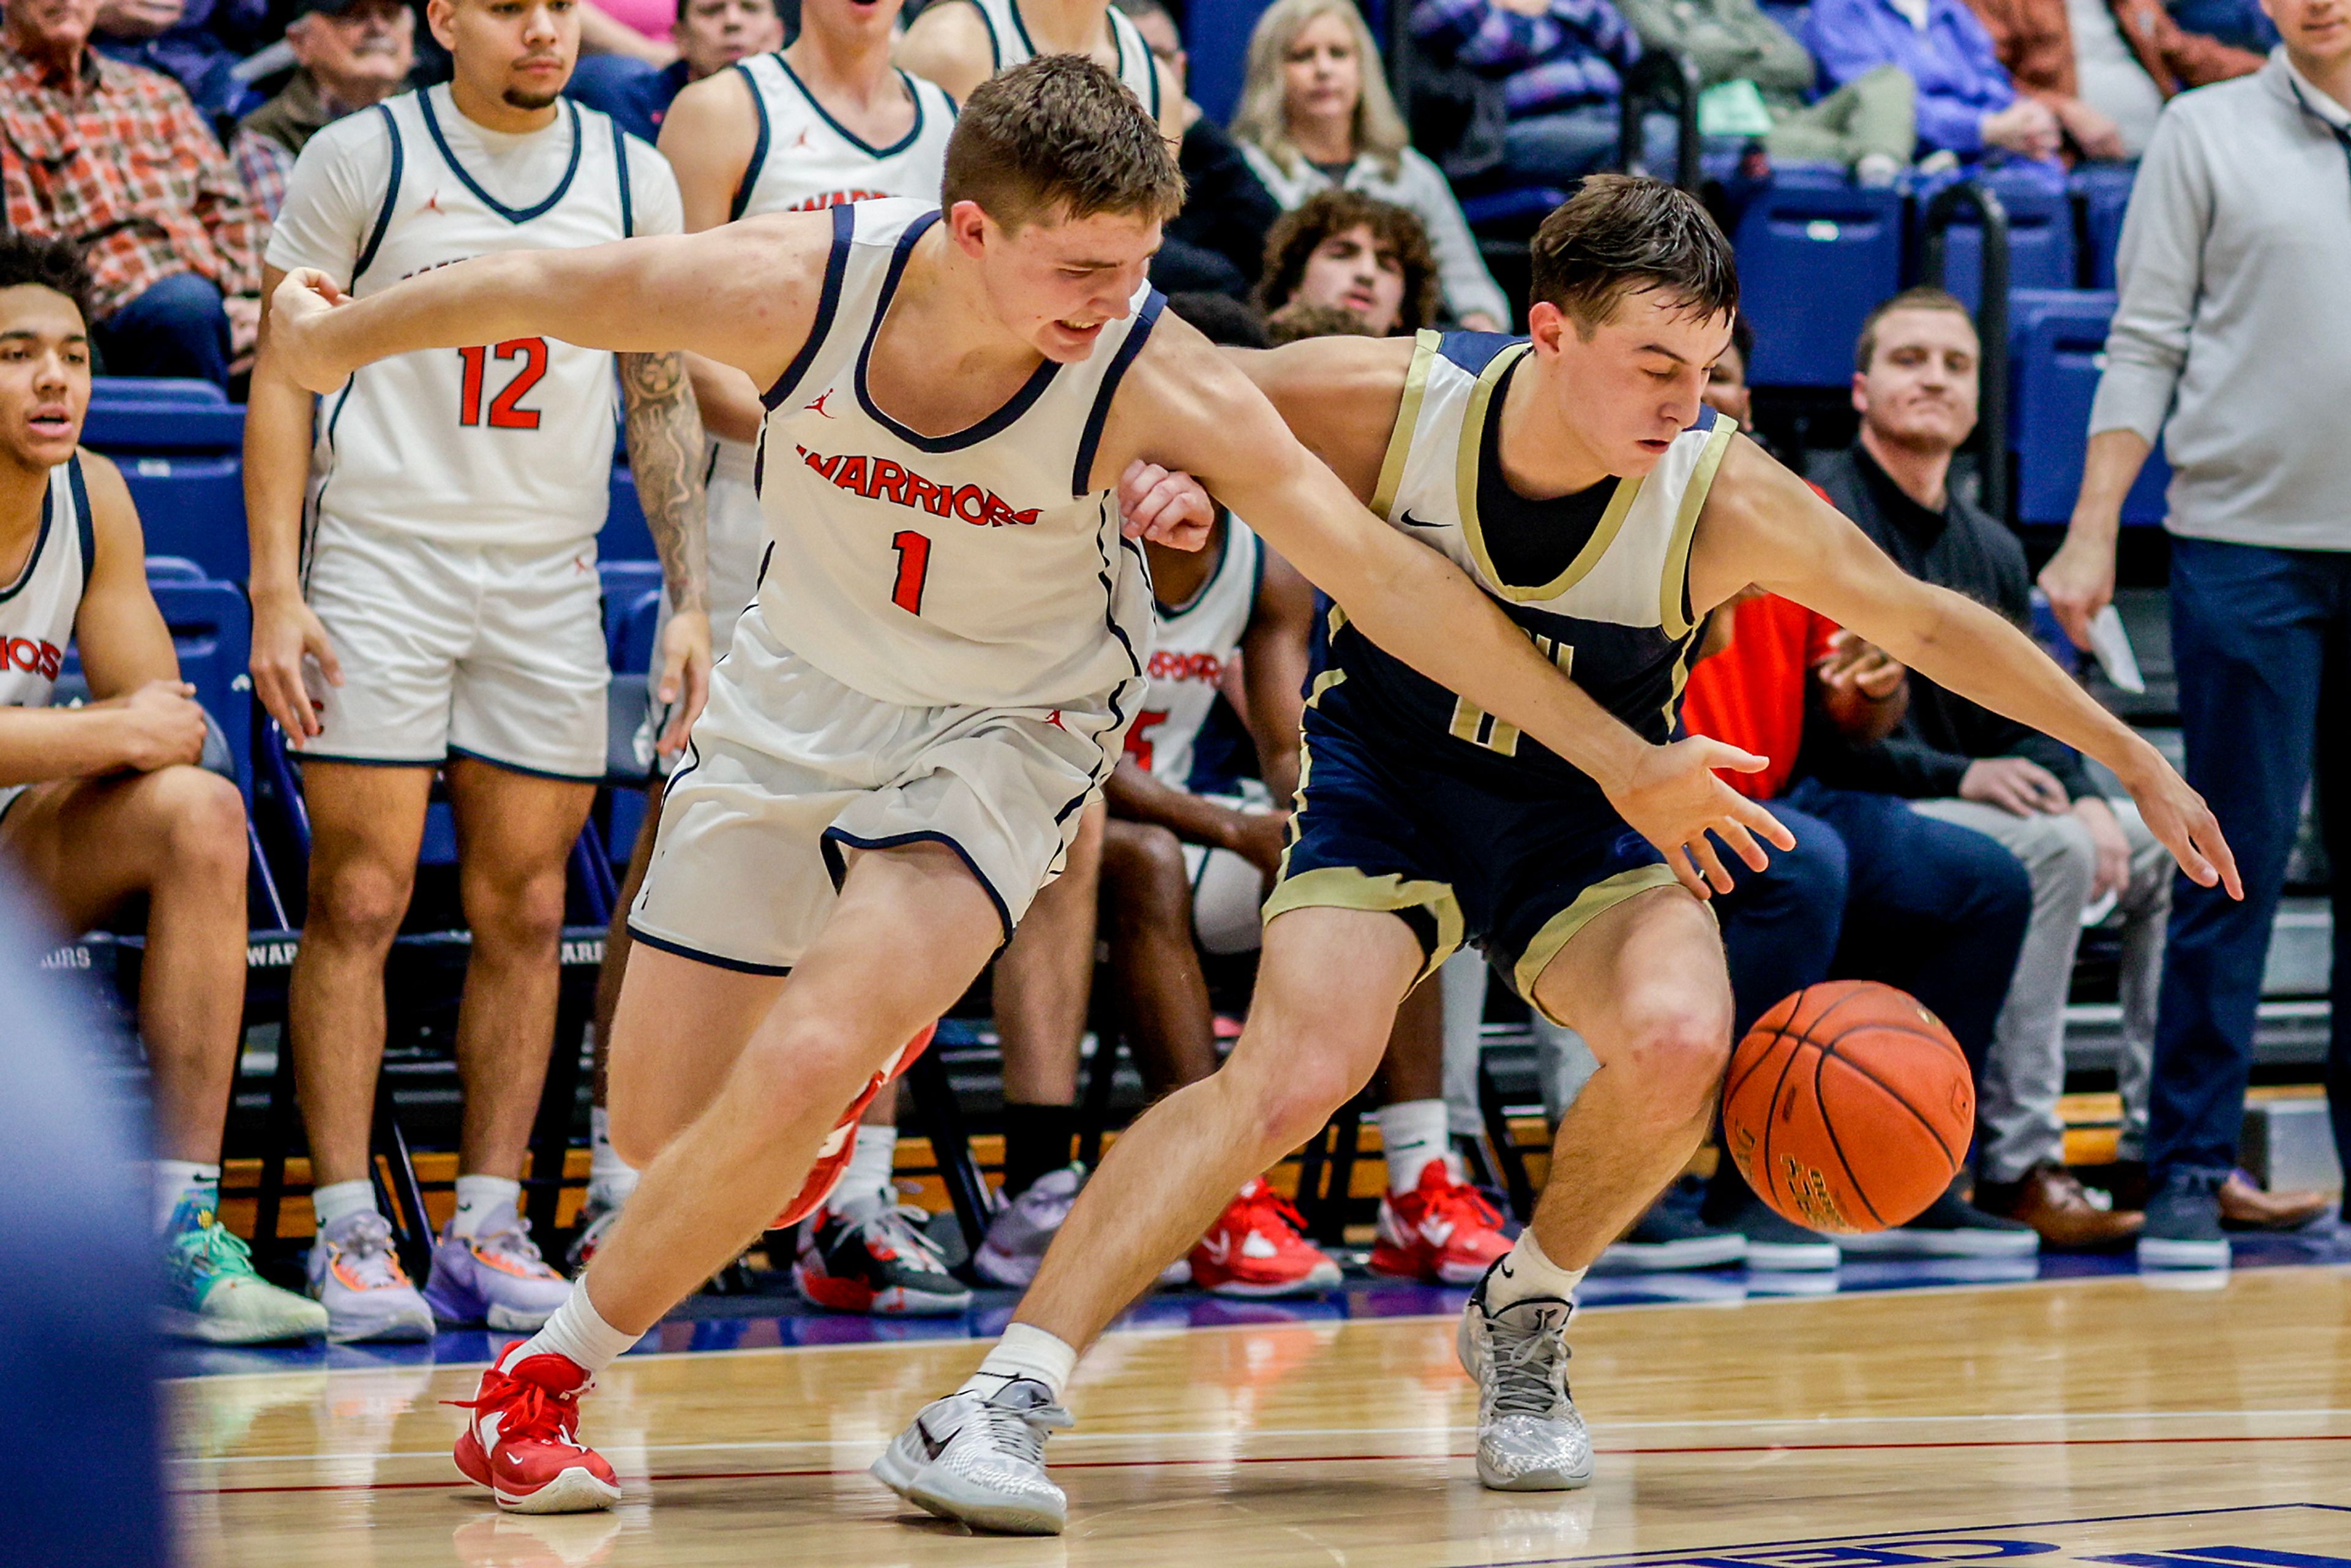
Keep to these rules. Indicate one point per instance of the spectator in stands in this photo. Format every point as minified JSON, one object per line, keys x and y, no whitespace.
{"x":1869,"y":124}
{"x":103,"y":805}
{"x":196,"y":43}
{"x":710,"y":36}
{"x":2230,"y":325}
{"x":1557,"y":63}
{"x":1346,"y":249}
{"x":631,"y":29}
{"x":1966,"y":104}
{"x":1220,"y":236}
{"x":1315,"y":113}
{"x":1915,"y":386}
{"x":2104,"y":67}
{"x":115,"y":156}
{"x":351,"y":55}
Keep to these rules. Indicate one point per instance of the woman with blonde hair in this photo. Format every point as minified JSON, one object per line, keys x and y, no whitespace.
{"x":1315,"y":113}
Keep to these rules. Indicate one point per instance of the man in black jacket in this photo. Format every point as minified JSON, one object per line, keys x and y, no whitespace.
{"x":1216,"y":244}
{"x":1916,"y":390}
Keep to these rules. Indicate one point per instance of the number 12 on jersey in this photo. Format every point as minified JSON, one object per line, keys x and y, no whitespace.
{"x":913,"y":571}
{"x":504,"y":413}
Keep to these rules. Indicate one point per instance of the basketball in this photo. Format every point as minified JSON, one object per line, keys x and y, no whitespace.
{"x":1848,"y":1107}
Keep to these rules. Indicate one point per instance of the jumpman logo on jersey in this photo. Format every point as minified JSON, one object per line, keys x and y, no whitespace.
{"x":1054,"y":718}
{"x":819,"y":404}
{"x":433,"y":204}
{"x":800,"y":141}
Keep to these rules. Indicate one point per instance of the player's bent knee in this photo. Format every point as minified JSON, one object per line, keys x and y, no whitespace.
{"x":813,"y":1062}
{"x":1679,"y":1052}
{"x":359,"y":902}
{"x":203,"y":823}
{"x":1297,"y":1103}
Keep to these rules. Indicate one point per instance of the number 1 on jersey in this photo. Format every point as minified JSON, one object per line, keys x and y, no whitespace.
{"x":913,"y":571}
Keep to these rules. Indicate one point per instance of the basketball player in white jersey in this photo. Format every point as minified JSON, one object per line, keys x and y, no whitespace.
{"x":827,"y":121}
{"x":436,"y":607}
{"x":906,"y":728}
{"x":103,"y":803}
{"x":959,"y":44}
{"x":1577,"y":476}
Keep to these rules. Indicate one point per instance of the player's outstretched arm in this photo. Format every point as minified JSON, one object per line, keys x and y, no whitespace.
{"x":664,"y":440}
{"x":1763,"y":525}
{"x":1187,"y":406}
{"x":743,"y":295}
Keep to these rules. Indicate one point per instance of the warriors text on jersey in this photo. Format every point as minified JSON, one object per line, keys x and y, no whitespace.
{"x":1197,"y":641}
{"x":981,"y":568}
{"x":804,"y":159}
{"x":38,"y":610}
{"x":1008,"y":36}
{"x":498,"y":444}
{"x":1597,"y":578}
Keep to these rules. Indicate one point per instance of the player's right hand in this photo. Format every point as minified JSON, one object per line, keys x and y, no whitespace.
{"x":1674,"y":800}
{"x":163,"y":724}
{"x":297,"y":312}
{"x":2080,"y":581}
{"x":285,"y":632}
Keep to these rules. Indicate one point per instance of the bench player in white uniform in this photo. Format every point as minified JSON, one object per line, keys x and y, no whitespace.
{"x":827,"y":121}
{"x":1579,"y":479}
{"x":961,"y":44}
{"x":446,"y":603}
{"x":103,"y":803}
{"x":905,"y":728}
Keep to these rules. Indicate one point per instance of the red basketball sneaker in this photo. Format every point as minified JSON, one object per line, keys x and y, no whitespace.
{"x":1441,"y":1232}
{"x":833,"y":1156}
{"x":1256,"y":1248}
{"x":521,"y":1439}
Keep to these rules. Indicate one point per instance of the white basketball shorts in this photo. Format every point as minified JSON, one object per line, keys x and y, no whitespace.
{"x":494,"y":652}
{"x":1227,"y":890}
{"x":789,"y":770}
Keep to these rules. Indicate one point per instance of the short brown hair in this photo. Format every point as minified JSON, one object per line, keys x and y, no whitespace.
{"x":1297,"y":233}
{"x":1060,"y":138}
{"x":1298,"y":321}
{"x":1864,"y":348}
{"x":1622,"y":235}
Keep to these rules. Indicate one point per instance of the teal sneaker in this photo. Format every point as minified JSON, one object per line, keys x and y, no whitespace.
{"x":211,"y":1292}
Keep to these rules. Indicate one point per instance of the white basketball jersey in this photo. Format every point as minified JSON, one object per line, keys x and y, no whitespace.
{"x":1008,"y":36}
{"x":1194,"y":642}
{"x":38,"y":610}
{"x":804,"y":159}
{"x":981,"y":568}
{"x":502,"y":443}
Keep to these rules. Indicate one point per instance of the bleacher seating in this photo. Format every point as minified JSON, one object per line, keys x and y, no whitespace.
{"x":2057,"y":346}
{"x":2103,"y":191}
{"x":2040,"y":234}
{"x":179,"y":445}
{"x":1815,"y":252}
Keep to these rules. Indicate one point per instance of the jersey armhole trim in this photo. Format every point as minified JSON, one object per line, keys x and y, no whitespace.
{"x":1465,"y":477}
{"x":620,"y":173}
{"x":391,"y":196}
{"x":828,"y":303}
{"x":41,"y":540}
{"x":751,"y":169}
{"x":1673,"y":592}
{"x":1120,"y":27}
{"x":1416,"y":388}
{"x":995,"y":47}
{"x":1137,"y":335}
{"x":84,"y":531}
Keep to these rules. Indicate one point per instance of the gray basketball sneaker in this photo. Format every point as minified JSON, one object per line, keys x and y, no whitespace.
{"x":982,"y":1461}
{"x":1529,"y":1437}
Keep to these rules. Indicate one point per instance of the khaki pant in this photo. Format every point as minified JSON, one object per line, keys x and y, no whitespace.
{"x":1876,"y":112}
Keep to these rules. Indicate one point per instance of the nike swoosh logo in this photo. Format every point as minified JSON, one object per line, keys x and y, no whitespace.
{"x":1508,"y":1272}
{"x":1408,"y":520}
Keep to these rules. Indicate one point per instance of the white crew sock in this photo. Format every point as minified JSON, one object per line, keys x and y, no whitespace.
{"x":1025,"y":1351}
{"x":340,"y":1200}
{"x":610,"y":1179}
{"x":1415,"y":1135}
{"x":578,"y":1333}
{"x":174,"y":1179}
{"x":869,"y":1182}
{"x":1526,"y":1272}
{"x":484,"y":1202}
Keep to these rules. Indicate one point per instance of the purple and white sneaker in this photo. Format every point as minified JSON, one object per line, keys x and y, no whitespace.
{"x":494,"y":1276}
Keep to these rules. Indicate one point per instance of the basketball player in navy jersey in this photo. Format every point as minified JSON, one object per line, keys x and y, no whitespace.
{"x":425,"y":599}
{"x":1576,"y":477}
{"x":103,"y":803}
{"x":904,"y":733}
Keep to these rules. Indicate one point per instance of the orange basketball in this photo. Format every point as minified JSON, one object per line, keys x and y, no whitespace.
{"x":1848,"y":1107}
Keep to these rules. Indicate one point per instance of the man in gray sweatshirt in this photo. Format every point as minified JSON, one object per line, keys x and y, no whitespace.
{"x":2233,"y":336}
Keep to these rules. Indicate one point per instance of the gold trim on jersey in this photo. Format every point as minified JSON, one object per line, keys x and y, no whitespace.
{"x":1343,"y":887}
{"x":1674,"y":586}
{"x":1415,"y":389}
{"x":1562,"y":928}
{"x":1465,"y":479}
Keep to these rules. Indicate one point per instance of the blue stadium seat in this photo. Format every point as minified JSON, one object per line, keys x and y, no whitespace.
{"x":2040,"y":235}
{"x":632,"y":649}
{"x":212,"y":632}
{"x":625,"y":536}
{"x":2057,"y":340}
{"x":1815,"y":255}
{"x":2103,"y":190}
{"x":179,"y":445}
{"x":173,"y":569}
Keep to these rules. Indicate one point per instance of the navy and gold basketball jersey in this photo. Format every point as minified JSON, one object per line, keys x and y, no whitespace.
{"x":1598,"y":579}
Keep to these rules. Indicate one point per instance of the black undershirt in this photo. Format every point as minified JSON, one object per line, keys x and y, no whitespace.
{"x":1531,"y":542}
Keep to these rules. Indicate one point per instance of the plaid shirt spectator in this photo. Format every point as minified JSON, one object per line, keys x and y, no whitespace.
{"x":1566,"y":57}
{"x":119,"y":160}
{"x":263,"y":164}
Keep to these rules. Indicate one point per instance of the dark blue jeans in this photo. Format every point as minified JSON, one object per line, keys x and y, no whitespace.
{"x":1779,"y":925}
{"x":176,"y":329}
{"x":2260,"y":638}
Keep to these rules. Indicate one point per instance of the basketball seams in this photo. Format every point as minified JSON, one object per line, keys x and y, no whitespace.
{"x":1823,"y":1056}
{"x":1899,"y":1098}
{"x":1772,"y":1105}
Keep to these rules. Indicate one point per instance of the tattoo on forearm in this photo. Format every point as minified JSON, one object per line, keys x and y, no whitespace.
{"x":664,"y":436}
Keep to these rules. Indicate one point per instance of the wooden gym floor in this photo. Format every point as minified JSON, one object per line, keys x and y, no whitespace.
{"x":2091,"y":1420}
